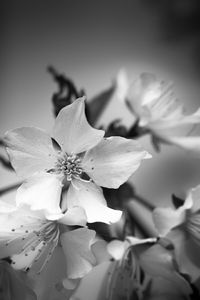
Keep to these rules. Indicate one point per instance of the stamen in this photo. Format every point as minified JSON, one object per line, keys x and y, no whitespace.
{"x":70,"y":166}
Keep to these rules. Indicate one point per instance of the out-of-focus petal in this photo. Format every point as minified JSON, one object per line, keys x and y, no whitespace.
{"x":72,"y":130}
{"x":186,"y":253}
{"x":30,"y":150}
{"x":193,"y":197}
{"x":90,"y":197}
{"x":99,"y":249}
{"x":13,"y":285}
{"x":157,"y":261}
{"x":122,"y":85}
{"x":41,"y":192}
{"x":113,"y":161}
{"x":74,"y":216}
{"x":165,"y":289}
{"x":191,"y":143}
{"x":117,"y":248}
{"x":167,"y":218}
{"x":76,"y":245}
{"x":143,"y":90}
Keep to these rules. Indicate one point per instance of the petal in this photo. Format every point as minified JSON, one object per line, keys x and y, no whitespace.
{"x":90,"y":197}
{"x":193,"y":198}
{"x":6,"y":207}
{"x":76,"y":246}
{"x":167,"y":218}
{"x":113,"y":161}
{"x":177,"y":120}
{"x":143,"y":90}
{"x":73,"y":132}
{"x":117,"y":249}
{"x":30,"y":150}
{"x":175,"y":288}
{"x":157,"y":261}
{"x":17,"y":230}
{"x":186,"y":253}
{"x":99,"y":249}
{"x":191,"y":143}
{"x":122,"y":85}
{"x":74,"y":216}
{"x":41,"y":192}
{"x":13,"y":284}
{"x":24,"y":260}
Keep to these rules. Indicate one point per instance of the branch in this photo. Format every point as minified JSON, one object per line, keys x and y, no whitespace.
{"x":141,"y":218}
{"x":144,"y":202}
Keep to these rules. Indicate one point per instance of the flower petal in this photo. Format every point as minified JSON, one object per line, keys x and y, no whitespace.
{"x":30,"y":150}
{"x":76,"y":245}
{"x":73,"y":132}
{"x":16,"y":230}
{"x":113,"y":161}
{"x":193,"y":198}
{"x":191,"y":143}
{"x":90,"y":197}
{"x":74,"y":216}
{"x":186,"y":253}
{"x":13,"y":284}
{"x":117,"y":248}
{"x":122,"y":85}
{"x":41,"y":192}
{"x":167,"y":218}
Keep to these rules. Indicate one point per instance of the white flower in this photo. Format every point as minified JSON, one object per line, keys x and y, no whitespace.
{"x":159,"y":111}
{"x":30,"y":239}
{"x":182,"y":227}
{"x":157,"y":263}
{"x":82,"y":153}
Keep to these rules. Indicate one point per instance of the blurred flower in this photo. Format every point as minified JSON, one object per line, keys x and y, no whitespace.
{"x":83,"y":153}
{"x":153,"y":267}
{"x":182,"y":228}
{"x":13,"y":284}
{"x":30,"y":239}
{"x":158,"y":111}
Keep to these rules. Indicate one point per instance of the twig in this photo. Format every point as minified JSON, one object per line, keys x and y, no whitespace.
{"x":141,"y":219}
{"x":144,"y":202}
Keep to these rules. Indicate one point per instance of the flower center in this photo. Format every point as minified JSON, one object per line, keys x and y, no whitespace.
{"x":70,"y":166}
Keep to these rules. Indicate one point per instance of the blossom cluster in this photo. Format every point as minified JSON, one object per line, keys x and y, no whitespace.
{"x":61,"y":204}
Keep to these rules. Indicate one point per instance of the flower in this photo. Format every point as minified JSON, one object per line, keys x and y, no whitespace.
{"x":29,"y":239}
{"x":80,"y":152}
{"x":158,"y":111}
{"x":182,"y":227}
{"x":13,"y":284}
{"x":152,"y":267}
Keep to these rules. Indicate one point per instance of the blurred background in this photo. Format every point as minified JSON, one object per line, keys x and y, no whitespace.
{"x":90,"y":41}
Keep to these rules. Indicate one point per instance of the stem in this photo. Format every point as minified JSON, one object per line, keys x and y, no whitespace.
{"x":144,"y":202}
{"x":9,"y":188}
{"x":141,"y":218}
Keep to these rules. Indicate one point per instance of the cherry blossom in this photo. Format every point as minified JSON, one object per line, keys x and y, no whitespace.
{"x":158,"y":110}
{"x":76,"y":155}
